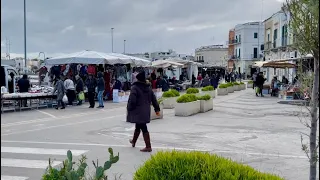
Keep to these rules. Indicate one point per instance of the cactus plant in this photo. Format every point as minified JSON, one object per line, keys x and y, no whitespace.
{"x":68,"y":172}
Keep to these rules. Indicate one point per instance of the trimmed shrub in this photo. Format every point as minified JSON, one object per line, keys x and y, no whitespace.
{"x":160,"y":101}
{"x":236,"y":83}
{"x":250,"y":82}
{"x":230,"y":84}
{"x":204,"y":97}
{"x":223,"y":86}
{"x":171,"y":93}
{"x":208,"y":88}
{"x":173,"y":165}
{"x":241,"y":82}
{"x":192,"y":91}
{"x":187,"y":98}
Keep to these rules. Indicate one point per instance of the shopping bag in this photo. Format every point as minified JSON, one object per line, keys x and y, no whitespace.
{"x":65,"y":98}
{"x":257,"y":89}
{"x":81,"y":96}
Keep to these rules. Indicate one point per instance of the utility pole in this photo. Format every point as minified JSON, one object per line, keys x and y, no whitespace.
{"x":25,"y":35}
{"x":124,"y":46}
{"x":112,"y":39}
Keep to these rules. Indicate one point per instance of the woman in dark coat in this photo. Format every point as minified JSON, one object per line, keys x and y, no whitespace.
{"x":138,"y":107}
{"x":60,"y":89}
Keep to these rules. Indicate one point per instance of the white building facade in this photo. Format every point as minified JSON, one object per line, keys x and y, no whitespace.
{"x":248,"y":45}
{"x":215,"y":55}
{"x":162,"y":55}
{"x":278,"y":41}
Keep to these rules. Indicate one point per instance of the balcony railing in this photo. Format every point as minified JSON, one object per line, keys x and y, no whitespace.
{"x":256,"y":56}
{"x":268,"y":45}
{"x":234,"y":41}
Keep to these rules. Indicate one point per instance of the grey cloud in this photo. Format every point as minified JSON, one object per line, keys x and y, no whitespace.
{"x":182,"y":25}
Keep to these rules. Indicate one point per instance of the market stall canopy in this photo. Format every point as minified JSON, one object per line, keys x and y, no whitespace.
{"x":134,"y":60}
{"x":93,"y":57}
{"x":165,"y":64}
{"x":258,"y":64}
{"x":275,"y":64}
{"x":184,"y":62}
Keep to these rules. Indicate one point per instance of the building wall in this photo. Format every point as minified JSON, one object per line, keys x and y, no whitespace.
{"x":213,"y":55}
{"x":245,"y":44}
{"x":162,"y":55}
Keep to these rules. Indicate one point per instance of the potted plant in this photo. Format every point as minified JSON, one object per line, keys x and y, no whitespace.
{"x":170,"y":98}
{"x":242,"y":86}
{"x":206,"y":103}
{"x":153,"y":115}
{"x":209,"y":90}
{"x":250,"y":84}
{"x":187,"y":105}
{"x":223,"y":90}
{"x":230,"y":87}
{"x":194,"y":91}
{"x":236,"y":86}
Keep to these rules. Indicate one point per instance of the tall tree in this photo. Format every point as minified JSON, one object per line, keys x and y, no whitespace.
{"x":304,"y":25}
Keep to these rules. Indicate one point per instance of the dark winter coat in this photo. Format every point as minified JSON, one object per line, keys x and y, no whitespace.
{"x":59,"y":87}
{"x":260,"y":80}
{"x":79,"y":86}
{"x":91,"y":84}
{"x":101,"y":83}
{"x":23,"y":85}
{"x":140,"y":99}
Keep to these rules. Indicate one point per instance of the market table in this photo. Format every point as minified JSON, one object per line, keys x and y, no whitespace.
{"x":14,"y":99}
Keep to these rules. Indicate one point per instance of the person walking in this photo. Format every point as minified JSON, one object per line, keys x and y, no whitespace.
{"x":101,"y":89}
{"x":259,"y":82}
{"x":79,"y":88}
{"x":24,"y":85}
{"x":71,"y":94}
{"x":254,"y":79}
{"x":60,"y":89}
{"x":138,"y":110}
{"x":91,"y":84}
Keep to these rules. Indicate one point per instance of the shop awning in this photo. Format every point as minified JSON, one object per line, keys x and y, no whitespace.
{"x":165,"y":64}
{"x":274,"y":64}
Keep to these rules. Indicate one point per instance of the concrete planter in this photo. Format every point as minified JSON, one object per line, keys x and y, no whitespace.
{"x":236,"y":87}
{"x":211,"y":93}
{"x":222,"y":91}
{"x":169,"y":103}
{"x":249,"y":85}
{"x":206,"y":105}
{"x":242,"y":86}
{"x":230,"y":89}
{"x":187,"y":109}
{"x":153,"y":115}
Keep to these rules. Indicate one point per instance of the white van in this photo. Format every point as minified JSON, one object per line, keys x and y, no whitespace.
{"x":8,"y":76}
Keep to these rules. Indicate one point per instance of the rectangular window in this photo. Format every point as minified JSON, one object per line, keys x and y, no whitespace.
{"x":255,"y":35}
{"x":268,"y":37}
{"x":255,"y":53}
{"x":239,"y":54}
{"x":239,"y":38}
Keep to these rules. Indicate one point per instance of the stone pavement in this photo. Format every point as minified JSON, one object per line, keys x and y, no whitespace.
{"x":252,"y":130}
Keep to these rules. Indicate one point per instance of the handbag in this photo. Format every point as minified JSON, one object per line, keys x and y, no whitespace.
{"x":81,"y":96}
{"x":257,"y":89}
{"x":65,"y":98}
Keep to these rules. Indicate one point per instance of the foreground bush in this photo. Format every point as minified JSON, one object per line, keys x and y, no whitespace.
{"x":69,"y":172}
{"x":250,"y":82}
{"x":178,"y":165}
{"x":187,"y":98}
{"x":223,"y":86}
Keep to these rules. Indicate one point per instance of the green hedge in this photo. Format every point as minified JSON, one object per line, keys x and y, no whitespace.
{"x":187,"y":98}
{"x":223,"y":86}
{"x":208,"y":88}
{"x":236,"y":83}
{"x":192,"y":91}
{"x":241,"y":82}
{"x":250,"y":82}
{"x":180,"y":165}
{"x":230,"y":84}
{"x":171,"y":93}
{"x":204,"y":97}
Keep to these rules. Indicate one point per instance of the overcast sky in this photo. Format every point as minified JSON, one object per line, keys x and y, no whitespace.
{"x":64,"y":26}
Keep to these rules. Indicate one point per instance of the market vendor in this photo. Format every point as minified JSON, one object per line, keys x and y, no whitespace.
{"x":24,"y":85}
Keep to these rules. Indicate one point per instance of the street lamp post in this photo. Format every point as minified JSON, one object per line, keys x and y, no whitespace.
{"x":25,"y":35}
{"x":124,"y":46}
{"x":112,"y":39}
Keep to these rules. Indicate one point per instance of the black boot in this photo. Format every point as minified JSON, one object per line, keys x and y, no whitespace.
{"x":135,"y":137}
{"x":146,"y":138}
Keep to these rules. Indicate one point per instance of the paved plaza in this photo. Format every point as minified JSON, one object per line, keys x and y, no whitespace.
{"x":252,"y":130}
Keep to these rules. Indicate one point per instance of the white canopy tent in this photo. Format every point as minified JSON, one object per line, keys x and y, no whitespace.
{"x":94,"y":57}
{"x":165,"y":64}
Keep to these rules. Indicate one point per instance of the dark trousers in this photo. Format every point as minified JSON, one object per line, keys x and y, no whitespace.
{"x":60,"y":103}
{"x":71,"y":94}
{"x":91,"y":98}
{"x":142,"y":127}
